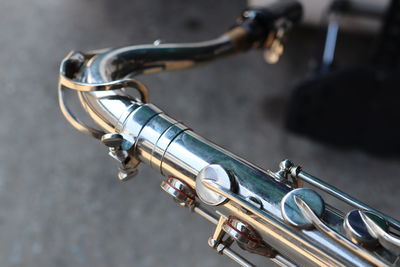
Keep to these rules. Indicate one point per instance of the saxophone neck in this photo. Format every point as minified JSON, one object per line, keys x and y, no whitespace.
{"x":98,"y":76}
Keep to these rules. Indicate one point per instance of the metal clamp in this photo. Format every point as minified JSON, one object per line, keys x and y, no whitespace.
{"x":127,"y":164}
{"x":287,"y":170}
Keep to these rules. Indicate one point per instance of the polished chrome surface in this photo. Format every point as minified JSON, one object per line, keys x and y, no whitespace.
{"x":125,"y":62}
{"x":220,"y":176}
{"x":340,"y":255}
{"x":292,"y":214}
{"x":324,"y":228}
{"x":112,"y":140}
{"x":69,"y":70}
{"x":356,"y":230}
{"x":314,"y":181}
{"x":230,"y":187}
{"x":117,"y":146}
{"x":242,"y":232}
{"x":179,"y":190}
{"x":205,"y":214}
{"x":221,"y":244}
{"x":387,"y":240}
{"x":98,"y":76}
{"x":287,"y":174}
{"x":234,"y":256}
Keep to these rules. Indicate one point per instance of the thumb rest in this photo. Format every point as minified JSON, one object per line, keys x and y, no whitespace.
{"x":264,"y":212}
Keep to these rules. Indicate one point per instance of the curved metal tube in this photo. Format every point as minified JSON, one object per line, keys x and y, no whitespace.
{"x":256,"y":28}
{"x":126,"y":62}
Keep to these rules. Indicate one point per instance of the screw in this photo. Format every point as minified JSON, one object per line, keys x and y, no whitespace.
{"x":112,"y":140}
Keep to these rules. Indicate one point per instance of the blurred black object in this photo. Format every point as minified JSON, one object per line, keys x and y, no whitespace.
{"x":353,"y":107}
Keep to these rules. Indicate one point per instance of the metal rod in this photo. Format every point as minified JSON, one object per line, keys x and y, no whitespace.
{"x":321,"y":226}
{"x":210,"y":184}
{"x":205,"y":214}
{"x":281,"y":261}
{"x":278,"y":259}
{"x":387,"y":240}
{"x":236,"y":257}
{"x":344,"y":197}
{"x":330,"y":44}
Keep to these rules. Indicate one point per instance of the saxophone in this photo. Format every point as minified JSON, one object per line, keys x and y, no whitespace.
{"x":269,"y":213}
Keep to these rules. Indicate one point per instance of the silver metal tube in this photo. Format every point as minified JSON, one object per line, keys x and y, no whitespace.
{"x":106,"y":107}
{"x":144,"y":133}
{"x":205,"y":214}
{"x":236,"y":258}
{"x":173,"y":150}
{"x":281,"y":261}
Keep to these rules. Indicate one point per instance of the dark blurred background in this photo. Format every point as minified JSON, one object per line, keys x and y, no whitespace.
{"x":60,"y":201}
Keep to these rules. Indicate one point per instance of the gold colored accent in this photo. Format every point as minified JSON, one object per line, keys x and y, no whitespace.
{"x":239,"y":37}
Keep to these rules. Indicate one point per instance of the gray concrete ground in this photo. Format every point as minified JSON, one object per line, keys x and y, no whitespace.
{"x":60,"y":203}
